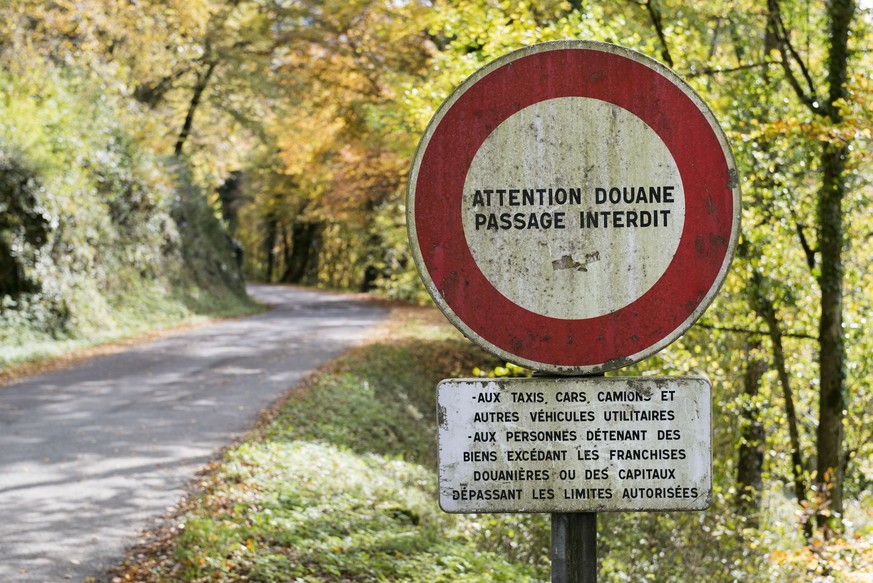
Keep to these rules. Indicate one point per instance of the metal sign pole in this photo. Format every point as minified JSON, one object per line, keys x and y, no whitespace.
{"x":574,"y":543}
{"x":574,"y":547}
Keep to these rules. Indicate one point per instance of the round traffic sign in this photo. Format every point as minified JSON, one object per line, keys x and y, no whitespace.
{"x":573,"y":207}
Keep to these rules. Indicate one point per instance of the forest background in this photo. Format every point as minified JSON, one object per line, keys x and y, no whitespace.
{"x":152,"y":152}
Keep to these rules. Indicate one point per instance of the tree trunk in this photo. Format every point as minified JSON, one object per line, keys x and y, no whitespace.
{"x":270,"y":247}
{"x":199,"y":88}
{"x":12,"y":279}
{"x":750,"y":459}
{"x":231,"y":197}
{"x":766,"y":310}
{"x":832,"y":359}
{"x":371,"y":274}
{"x":302,"y":236}
{"x":373,"y":251}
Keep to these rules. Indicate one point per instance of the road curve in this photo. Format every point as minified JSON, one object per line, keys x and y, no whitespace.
{"x":90,"y":455}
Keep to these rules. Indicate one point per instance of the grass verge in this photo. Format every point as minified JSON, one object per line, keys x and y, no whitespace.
{"x":143,"y":317}
{"x":339,"y":484}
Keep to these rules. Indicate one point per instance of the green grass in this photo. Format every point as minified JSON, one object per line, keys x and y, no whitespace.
{"x":341,"y":485}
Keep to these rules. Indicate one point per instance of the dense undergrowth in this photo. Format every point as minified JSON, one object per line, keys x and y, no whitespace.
{"x":100,"y":237}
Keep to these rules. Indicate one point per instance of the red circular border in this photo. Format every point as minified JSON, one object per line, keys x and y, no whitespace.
{"x":646,"y":93}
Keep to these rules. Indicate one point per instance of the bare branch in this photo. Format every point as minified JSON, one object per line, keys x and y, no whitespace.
{"x":658,"y":23}
{"x":709,"y":71}
{"x":808,"y":251}
{"x":202,"y":82}
{"x":776,"y":26}
{"x":753,"y":332}
{"x":783,"y":33}
{"x":713,"y":46}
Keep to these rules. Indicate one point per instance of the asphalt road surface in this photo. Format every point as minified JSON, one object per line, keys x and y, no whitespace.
{"x":91,"y":455}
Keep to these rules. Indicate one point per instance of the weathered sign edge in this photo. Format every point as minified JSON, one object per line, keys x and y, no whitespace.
{"x":645,"y":60}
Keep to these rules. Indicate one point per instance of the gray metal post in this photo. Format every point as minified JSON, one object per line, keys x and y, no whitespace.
{"x":574,"y":547}
{"x":574,"y":541}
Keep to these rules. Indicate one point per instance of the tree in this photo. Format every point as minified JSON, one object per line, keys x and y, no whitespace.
{"x":826,"y":257}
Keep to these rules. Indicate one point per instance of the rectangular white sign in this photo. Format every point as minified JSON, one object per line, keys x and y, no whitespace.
{"x":574,"y":444}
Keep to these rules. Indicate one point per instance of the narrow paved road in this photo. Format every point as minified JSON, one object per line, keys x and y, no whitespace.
{"x":89,"y":455}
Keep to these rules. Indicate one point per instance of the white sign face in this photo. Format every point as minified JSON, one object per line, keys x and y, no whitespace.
{"x":573,"y":208}
{"x":574,"y":445}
